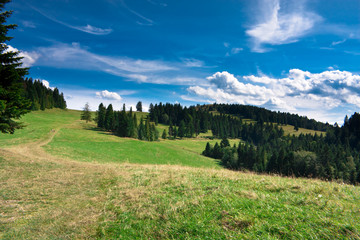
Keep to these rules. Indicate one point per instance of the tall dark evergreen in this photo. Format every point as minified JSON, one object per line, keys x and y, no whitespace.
{"x":101,"y":116}
{"x":12,"y":102}
{"x":42,"y":97}
{"x":109,"y":119}
{"x":139,"y":106}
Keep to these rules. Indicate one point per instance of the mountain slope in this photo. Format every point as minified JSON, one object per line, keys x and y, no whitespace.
{"x":46,"y":194}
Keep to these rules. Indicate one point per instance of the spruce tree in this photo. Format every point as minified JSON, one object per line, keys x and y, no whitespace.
{"x":12,"y":103}
{"x":163,"y":136}
{"x":109,"y":118}
{"x":181,"y":131}
{"x":139,"y":106}
{"x":101,"y":116}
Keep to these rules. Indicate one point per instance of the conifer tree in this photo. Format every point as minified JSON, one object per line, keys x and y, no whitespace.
{"x":181,"y":130}
{"x":163,"y":136}
{"x":12,"y":103}
{"x":109,"y":118}
{"x":139,"y":106}
{"x":141,"y":130}
{"x":101,"y":116}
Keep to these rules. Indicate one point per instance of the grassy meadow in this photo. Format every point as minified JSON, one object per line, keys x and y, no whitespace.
{"x":62,"y":178}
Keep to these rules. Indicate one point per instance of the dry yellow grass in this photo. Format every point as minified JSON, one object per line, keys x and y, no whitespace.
{"x":50,"y":197}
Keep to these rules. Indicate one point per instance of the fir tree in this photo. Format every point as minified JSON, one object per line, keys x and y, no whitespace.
{"x":12,"y":103}
{"x":109,"y":118}
{"x":163,"y":136}
{"x":101,"y":116}
{"x":139,"y":106}
{"x":181,"y":131}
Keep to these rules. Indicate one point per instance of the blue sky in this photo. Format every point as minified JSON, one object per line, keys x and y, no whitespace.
{"x":295,"y":56}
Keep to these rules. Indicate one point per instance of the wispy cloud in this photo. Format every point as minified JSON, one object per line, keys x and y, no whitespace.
{"x":75,"y":56}
{"x":87,"y":28}
{"x":144,"y":20}
{"x":29,"y":58}
{"x":157,"y":3}
{"x":232,"y":50}
{"x":338,"y":42}
{"x":28,"y":24}
{"x":278,"y":26}
{"x":300,"y":91}
{"x":192,"y":62}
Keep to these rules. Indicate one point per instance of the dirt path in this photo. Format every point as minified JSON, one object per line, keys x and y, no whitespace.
{"x":34,"y":150}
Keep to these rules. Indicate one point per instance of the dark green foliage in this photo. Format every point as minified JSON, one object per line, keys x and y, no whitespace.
{"x":109,"y":124}
{"x":139,"y":106}
{"x":195,"y":120}
{"x":164,"y":135}
{"x":334,"y":157}
{"x":101,"y":116}
{"x":262,"y":115}
{"x":41,"y":97}
{"x":181,"y":131}
{"x":124,"y":124}
{"x":12,"y":102}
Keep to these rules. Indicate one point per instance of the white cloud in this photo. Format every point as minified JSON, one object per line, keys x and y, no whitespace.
{"x":88,"y":28}
{"x":28,"y":24}
{"x":108,"y":95}
{"x":300,"y":91}
{"x":92,"y":30}
{"x":192,"y":62}
{"x":29,"y":58}
{"x":236,"y":50}
{"x":280,"y":27}
{"x":338,"y":42}
{"x":75,"y":56}
{"x":46,"y":84}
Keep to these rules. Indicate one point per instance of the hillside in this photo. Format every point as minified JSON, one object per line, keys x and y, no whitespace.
{"x":63,"y":178}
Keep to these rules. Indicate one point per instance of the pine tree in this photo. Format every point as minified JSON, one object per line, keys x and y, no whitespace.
{"x":208,"y":150}
{"x":139,"y":106}
{"x":86,"y":113}
{"x":181,"y":131}
{"x":101,"y":116}
{"x":163,"y":136}
{"x":109,"y":118}
{"x":12,"y":103}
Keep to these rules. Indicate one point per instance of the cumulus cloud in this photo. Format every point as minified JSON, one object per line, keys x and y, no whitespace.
{"x":298,"y":91}
{"x":108,"y":95}
{"x":47,"y":84}
{"x":29,"y":58}
{"x":278,"y":26}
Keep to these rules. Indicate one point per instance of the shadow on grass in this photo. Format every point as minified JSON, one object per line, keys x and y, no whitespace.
{"x":98,"y":130}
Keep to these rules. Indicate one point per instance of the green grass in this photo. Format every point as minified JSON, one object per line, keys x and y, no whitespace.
{"x":39,"y":124}
{"x":99,"y":186}
{"x":83,"y":142}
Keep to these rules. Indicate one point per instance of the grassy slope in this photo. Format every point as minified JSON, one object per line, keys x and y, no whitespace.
{"x":50,"y":197}
{"x":38,"y":124}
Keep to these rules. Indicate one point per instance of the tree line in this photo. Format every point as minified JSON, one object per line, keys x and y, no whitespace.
{"x":331,"y":157}
{"x":264,"y":115}
{"x":41,"y":97}
{"x":125,"y":124}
